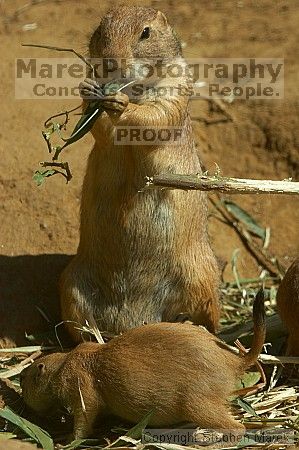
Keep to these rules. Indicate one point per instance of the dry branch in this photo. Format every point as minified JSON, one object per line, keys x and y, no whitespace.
{"x":222,"y":184}
{"x":274,"y":326}
{"x":62,"y":49}
{"x":262,"y":255}
{"x":270,"y":359}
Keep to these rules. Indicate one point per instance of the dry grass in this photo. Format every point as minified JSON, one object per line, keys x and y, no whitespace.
{"x":273,"y":410}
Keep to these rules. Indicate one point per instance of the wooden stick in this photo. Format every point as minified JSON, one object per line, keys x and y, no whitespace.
{"x":222,"y":184}
{"x":270,"y":359}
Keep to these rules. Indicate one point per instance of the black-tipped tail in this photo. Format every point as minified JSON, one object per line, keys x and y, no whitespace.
{"x":259,"y":329}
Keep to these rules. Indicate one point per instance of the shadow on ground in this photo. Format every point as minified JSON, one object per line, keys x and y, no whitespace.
{"x":29,"y":300}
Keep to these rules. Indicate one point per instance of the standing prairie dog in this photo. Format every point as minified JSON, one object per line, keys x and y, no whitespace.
{"x":288,"y":306}
{"x":142,"y":256}
{"x":180,"y":372}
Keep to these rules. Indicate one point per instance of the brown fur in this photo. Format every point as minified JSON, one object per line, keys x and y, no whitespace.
{"x":181,"y":372}
{"x":142,"y":256}
{"x":288,"y":306}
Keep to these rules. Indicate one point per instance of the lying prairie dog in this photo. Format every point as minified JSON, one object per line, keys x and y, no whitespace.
{"x":179,"y":371}
{"x":142,"y":256}
{"x":288,"y":306}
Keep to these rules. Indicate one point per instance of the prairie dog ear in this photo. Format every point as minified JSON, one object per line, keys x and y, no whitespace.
{"x":41,"y":368}
{"x":162,"y":18}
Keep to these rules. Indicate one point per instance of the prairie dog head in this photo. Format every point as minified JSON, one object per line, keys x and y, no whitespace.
{"x":141,"y":46}
{"x":37,"y":390}
{"x":134,"y":32}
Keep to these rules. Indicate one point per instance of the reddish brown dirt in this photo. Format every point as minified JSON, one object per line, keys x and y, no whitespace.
{"x":39,"y":226}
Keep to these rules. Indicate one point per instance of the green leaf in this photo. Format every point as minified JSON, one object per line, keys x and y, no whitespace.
{"x":38,"y":434}
{"x":39,"y":177}
{"x":136,"y":431}
{"x":247,"y":380}
{"x":134,"y":434}
{"x":112,"y":87}
{"x":246,"y":441}
{"x":85,"y":123}
{"x":5,"y":435}
{"x":241,"y":215}
{"x":74,"y":444}
{"x":92,"y":112}
{"x":247,"y":407}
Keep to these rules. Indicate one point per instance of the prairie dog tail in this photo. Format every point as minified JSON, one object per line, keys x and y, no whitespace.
{"x":259,"y":330}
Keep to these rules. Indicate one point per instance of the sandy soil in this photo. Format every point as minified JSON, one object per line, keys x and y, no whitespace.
{"x":39,"y":226}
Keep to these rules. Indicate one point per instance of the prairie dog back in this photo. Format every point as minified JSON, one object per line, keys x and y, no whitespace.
{"x":165,"y":367}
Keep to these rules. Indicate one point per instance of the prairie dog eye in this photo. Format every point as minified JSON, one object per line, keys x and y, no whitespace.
{"x":145,"y":33}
